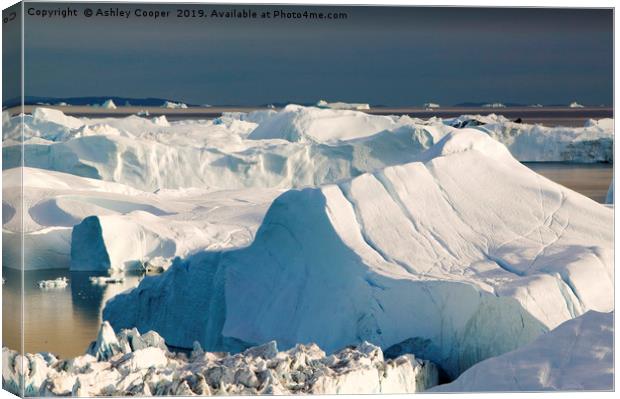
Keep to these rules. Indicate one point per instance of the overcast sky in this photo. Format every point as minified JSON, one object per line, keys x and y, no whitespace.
{"x":384,"y":56}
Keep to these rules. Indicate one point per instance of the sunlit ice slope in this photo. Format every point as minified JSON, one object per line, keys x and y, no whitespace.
{"x":463,"y":255}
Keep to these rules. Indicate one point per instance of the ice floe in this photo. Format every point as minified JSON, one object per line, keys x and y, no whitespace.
{"x":58,"y":283}
{"x":103,"y":280}
{"x":131,"y":363}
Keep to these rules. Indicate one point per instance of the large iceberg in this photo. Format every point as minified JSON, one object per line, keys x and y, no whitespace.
{"x":538,"y":143}
{"x":577,"y":355}
{"x":461,"y":256}
{"x":294,"y":147}
{"x":71,"y":221}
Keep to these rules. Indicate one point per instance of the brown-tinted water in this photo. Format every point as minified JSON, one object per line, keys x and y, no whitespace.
{"x":61,"y":321}
{"x":591,"y":180}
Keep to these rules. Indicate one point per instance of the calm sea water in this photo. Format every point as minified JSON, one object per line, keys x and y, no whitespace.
{"x":65,"y":321}
{"x":61,"y":321}
{"x":591,"y":180}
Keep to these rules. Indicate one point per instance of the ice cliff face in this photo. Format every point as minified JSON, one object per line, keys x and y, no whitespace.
{"x":577,"y":355}
{"x":131,"y":364}
{"x":537,"y":143}
{"x":462,"y":256}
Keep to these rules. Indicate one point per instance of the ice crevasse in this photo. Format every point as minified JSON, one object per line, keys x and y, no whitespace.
{"x":463,"y":255}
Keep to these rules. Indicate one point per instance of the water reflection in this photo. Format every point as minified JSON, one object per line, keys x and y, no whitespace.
{"x":61,"y":321}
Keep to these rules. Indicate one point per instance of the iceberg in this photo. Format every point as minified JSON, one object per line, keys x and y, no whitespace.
{"x":174,"y":105}
{"x":431,"y":105}
{"x":575,"y":104}
{"x":493,"y":105}
{"x":609,"y":198}
{"x":465,"y":254}
{"x":108,"y":104}
{"x":537,"y":143}
{"x":342,"y":105}
{"x":164,"y":224}
{"x":294,"y":147}
{"x":130,"y":363}
{"x":577,"y":355}
{"x":103,"y":280}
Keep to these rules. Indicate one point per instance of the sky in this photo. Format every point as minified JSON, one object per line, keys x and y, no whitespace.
{"x":393,"y":56}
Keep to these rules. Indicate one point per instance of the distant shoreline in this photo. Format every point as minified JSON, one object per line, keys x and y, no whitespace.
{"x":564,"y":116}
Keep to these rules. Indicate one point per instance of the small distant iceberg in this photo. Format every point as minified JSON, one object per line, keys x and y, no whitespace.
{"x":173,"y":105}
{"x":535,"y":106}
{"x":343,"y":105}
{"x":109,"y":104}
{"x":431,"y":105}
{"x":104,"y":280}
{"x":575,"y":104}
{"x":59,"y":283}
{"x":493,"y":105}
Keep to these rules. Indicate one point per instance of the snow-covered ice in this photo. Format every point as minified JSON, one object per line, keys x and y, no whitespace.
{"x":294,"y":147}
{"x":130,"y":363}
{"x":468,"y":253}
{"x":172,"y":104}
{"x":577,"y":355}
{"x":156,"y":226}
{"x":309,"y":224}
{"x":342,"y":105}
{"x":538,"y":143}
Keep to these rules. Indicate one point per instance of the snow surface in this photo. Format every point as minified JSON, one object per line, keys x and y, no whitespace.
{"x":468,"y":253}
{"x":577,"y":355}
{"x":538,"y":143}
{"x":419,"y":236}
{"x":159,"y":225}
{"x":294,"y":147}
{"x":128,"y":364}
